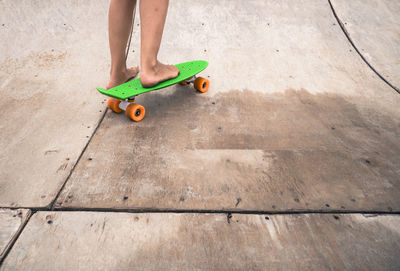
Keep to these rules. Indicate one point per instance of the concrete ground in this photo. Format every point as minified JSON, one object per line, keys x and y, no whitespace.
{"x":289,"y":162}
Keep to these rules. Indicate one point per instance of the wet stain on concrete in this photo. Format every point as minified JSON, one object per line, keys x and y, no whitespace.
{"x":279,"y":149}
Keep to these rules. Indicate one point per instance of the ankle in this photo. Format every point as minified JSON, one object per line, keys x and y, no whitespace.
{"x":149,"y":66}
{"x":118,"y":75}
{"x":118,"y":70}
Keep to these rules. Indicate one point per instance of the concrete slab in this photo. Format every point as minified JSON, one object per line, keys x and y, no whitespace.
{"x":374,"y":27}
{"x":294,"y":120}
{"x":51,"y":55}
{"x":11,"y":222}
{"x":121,"y":241}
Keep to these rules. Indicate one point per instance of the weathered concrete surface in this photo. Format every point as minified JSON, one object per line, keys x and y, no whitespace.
{"x":51,"y":56}
{"x":374,"y":27}
{"x":294,"y":120}
{"x":112,"y":241}
{"x":11,"y":222}
{"x":304,"y":152}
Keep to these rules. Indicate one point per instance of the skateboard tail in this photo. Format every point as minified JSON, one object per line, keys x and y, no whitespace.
{"x":102,"y":90}
{"x":107,"y":93}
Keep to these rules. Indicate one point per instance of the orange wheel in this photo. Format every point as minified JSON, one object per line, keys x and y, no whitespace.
{"x":135,"y":112}
{"x":113,"y":103}
{"x":201,"y":84}
{"x":183,"y":83}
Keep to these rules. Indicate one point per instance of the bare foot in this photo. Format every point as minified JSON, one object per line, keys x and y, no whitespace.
{"x":121,"y":77}
{"x":157,"y":74}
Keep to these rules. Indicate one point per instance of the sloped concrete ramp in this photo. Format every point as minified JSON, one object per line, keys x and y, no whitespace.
{"x":324,"y":137}
{"x":373,"y":26}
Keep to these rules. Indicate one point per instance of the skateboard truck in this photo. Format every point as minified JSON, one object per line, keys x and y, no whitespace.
{"x":188,"y":81}
{"x":131,"y":99}
{"x":124,"y":104}
{"x":134,"y":111}
{"x":201,"y":84}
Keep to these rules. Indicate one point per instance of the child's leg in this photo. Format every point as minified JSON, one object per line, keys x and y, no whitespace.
{"x":119,"y":27}
{"x":152,"y":17}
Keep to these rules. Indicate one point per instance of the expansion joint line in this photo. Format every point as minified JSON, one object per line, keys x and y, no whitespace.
{"x":205,"y":211}
{"x":18,"y":233}
{"x":51,"y":205}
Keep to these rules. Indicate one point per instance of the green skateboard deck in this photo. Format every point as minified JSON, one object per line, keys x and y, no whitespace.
{"x":134,"y":87}
{"x":122,"y":97}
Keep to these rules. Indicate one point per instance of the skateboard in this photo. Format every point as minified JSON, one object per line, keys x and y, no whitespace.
{"x":122,"y":97}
